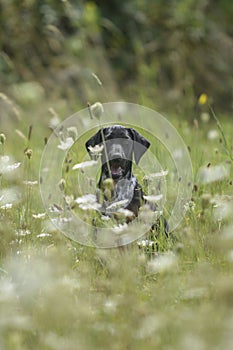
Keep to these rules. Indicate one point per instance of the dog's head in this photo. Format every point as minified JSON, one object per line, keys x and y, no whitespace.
{"x":120,"y":145}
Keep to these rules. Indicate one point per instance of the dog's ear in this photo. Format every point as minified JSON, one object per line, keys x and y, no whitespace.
{"x":93,"y":141}
{"x":141,"y":144}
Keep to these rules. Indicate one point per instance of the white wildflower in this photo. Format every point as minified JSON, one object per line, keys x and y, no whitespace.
{"x":189,"y":206}
{"x":87,"y":198}
{"x":120,"y":228}
{"x":43,"y":235}
{"x":30,"y":183}
{"x":87,"y":202}
{"x":6,"y":165}
{"x":96,"y":148}
{"x":205,"y":117}
{"x":162,"y":263}
{"x":212,"y":134}
{"x":6,"y":206}
{"x":9,"y":196}
{"x":223,"y":206}
{"x":110,"y":306}
{"x":39,"y":216}
{"x":96,"y":151}
{"x":105,"y":218}
{"x":214,"y":173}
{"x":125,"y":212}
{"x":86,"y":164}
{"x":90,"y":206}
{"x":22,"y":233}
{"x":143,"y":243}
{"x":153,"y":198}
{"x":117,"y":205}
{"x":64,"y":145}
{"x":61,"y":221}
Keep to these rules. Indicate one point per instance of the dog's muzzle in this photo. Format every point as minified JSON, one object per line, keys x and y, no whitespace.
{"x":117,"y":161}
{"x":117,"y":167}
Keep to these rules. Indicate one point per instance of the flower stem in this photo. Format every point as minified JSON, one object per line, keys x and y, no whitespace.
{"x":226,"y":146}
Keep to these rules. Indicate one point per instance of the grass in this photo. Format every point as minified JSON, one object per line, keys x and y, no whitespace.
{"x":57,"y":294}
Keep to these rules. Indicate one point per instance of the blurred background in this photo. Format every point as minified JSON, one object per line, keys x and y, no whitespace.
{"x":163,"y":54}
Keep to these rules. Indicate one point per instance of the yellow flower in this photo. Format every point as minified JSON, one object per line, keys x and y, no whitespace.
{"x":202,"y":99}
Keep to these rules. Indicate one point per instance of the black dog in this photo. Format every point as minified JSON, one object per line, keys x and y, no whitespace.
{"x":121,"y":144}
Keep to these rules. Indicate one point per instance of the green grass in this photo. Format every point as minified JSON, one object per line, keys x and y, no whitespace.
{"x":57,"y":294}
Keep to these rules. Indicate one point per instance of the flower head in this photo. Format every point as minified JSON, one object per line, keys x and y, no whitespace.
{"x":153,"y":198}
{"x":28,"y":153}
{"x":202,"y":99}
{"x":6,"y":165}
{"x":86,"y":164}
{"x":64,"y":145}
{"x":88,"y":202}
{"x":96,"y":151}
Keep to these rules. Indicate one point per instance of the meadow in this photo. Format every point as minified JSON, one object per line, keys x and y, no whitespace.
{"x":58,"y":294}
{"x":174,"y":57}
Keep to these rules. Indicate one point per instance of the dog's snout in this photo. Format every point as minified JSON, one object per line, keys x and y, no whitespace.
{"x":116,"y":151}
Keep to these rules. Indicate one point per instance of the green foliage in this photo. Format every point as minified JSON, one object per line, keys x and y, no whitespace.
{"x":56,"y":294}
{"x":171,"y":48}
{"x":167,"y":49}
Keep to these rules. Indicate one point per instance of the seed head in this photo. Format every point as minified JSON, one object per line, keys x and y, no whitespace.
{"x":62,"y":184}
{"x":97,"y":110}
{"x":2,"y":139}
{"x":28,"y":152}
{"x":108,"y":184}
{"x":107,"y":194}
{"x":72,"y":132}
